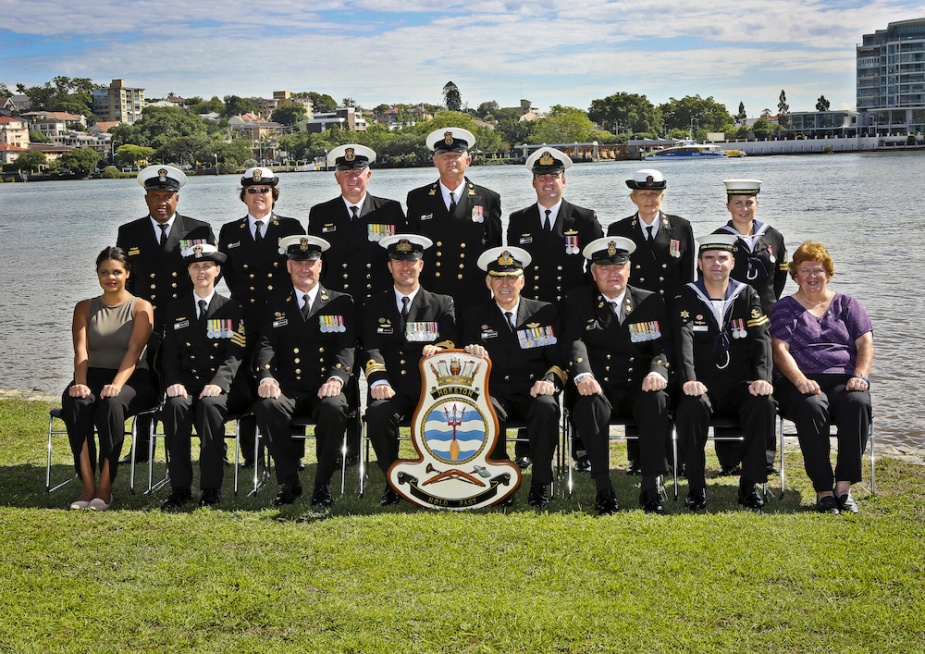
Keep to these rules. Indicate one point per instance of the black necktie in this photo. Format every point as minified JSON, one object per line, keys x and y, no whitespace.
{"x":548,"y":220}
{"x":164,"y":229}
{"x":615,"y":309}
{"x":452,"y":202}
{"x":306,"y":306}
{"x":202,"y":311}
{"x":510,"y":319}
{"x":355,"y":211}
{"x":405,"y":301}
{"x":258,"y":233}
{"x":649,"y":230}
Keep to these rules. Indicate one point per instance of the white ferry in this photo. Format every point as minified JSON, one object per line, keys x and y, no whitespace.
{"x":689,"y":150}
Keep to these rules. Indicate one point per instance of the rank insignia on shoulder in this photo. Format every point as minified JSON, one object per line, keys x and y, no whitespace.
{"x":685,"y":314}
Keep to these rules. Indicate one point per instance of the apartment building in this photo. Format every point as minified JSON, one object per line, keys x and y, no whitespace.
{"x":119,"y":102}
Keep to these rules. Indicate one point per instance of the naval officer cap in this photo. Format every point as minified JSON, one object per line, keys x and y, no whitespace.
{"x":647,"y":179}
{"x":161,"y":178}
{"x":202,"y":252}
{"x":351,"y":157}
{"x":259,"y":175}
{"x":450,"y":139}
{"x":546,"y":161}
{"x":405,"y":247}
{"x":742,"y":186}
{"x":610,"y":250}
{"x":504,"y":261}
{"x":725,"y":242}
{"x":303,"y":248}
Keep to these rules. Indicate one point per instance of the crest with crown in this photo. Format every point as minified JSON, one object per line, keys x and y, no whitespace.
{"x":547,"y":159}
{"x":349,"y":155}
{"x":455,"y":374}
{"x":448,"y":137}
{"x":403,"y":245}
{"x":162,"y":175}
{"x":303,"y":244}
{"x":611,"y":248}
{"x":197,"y":251}
{"x":505,"y":259}
{"x":257,"y":175}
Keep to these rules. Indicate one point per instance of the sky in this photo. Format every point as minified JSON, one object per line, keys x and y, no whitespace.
{"x":566,"y":52}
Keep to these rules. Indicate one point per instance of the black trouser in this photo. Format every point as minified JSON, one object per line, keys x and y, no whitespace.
{"x":383,"y":418}
{"x":756,"y":416}
{"x":107,"y":415}
{"x":591,"y":416}
{"x":208,"y":415}
{"x":541,"y":415}
{"x":330,"y":417}
{"x":813,"y":416}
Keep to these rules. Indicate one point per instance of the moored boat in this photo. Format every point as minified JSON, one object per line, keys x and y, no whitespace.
{"x":689,"y":150}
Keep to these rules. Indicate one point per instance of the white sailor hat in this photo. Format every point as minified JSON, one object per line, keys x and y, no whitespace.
{"x":351,"y":157}
{"x":504,"y":261}
{"x":161,"y":178}
{"x":548,"y":160}
{"x":405,"y":247}
{"x":254,"y":176}
{"x":725,"y":242}
{"x":450,"y":139}
{"x":647,"y":179}
{"x":303,"y":248}
{"x":742,"y":186}
{"x":202,"y":252}
{"x":609,"y":250}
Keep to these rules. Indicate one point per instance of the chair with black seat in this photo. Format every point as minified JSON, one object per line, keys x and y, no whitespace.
{"x":782,"y":435}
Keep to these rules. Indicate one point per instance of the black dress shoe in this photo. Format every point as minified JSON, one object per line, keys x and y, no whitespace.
{"x":322,"y":496}
{"x":538,"y":498}
{"x":827,"y":504}
{"x":141,"y":456}
{"x":583,"y":464}
{"x":651,"y":502}
{"x":749,"y":497}
{"x":210,"y":497}
{"x":847,"y":504}
{"x":300,"y":465}
{"x":730,"y":471}
{"x":633,"y":469}
{"x":606,"y":502}
{"x":523,"y":462}
{"x":696,"y":500}
{"x":287,"y":495}
{"x":389,"y":497}
{"x":176,"y":499}
{"x":772,"y":470}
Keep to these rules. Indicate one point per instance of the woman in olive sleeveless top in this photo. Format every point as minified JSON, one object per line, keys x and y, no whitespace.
{"x":111,"y":377}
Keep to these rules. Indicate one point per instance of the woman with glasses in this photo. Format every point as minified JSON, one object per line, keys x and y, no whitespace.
{"x":823,"y":348}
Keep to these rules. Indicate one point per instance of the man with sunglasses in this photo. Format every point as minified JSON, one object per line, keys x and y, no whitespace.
{"x":255,"y":273}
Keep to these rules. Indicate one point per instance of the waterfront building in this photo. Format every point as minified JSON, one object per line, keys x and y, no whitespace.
{"x":119,"y":102}
{"x":891,"y":79}
{"x":823,"y":124}
{"x":346,"y":118}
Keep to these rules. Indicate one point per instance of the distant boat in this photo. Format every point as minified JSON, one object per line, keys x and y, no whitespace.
{"x":689,"y":150}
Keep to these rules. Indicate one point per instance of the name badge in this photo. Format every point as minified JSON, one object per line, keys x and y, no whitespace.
{"x":700,"y":328}
{"x":328,"y":228}
{"x":234,"y":245}
{"x":427,"y":216}
{"x":181,"y":325}
{"x":524,"y":240}
{"x":383,"y":330}
{"x":489,"y":333}
{"x":280,"y":323}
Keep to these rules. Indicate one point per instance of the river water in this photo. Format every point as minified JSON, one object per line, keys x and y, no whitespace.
{"x":868,"y":209}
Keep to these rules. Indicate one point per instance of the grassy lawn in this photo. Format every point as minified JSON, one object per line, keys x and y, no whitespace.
{"x":252,"y":578}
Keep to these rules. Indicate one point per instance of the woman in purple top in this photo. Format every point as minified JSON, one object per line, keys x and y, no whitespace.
{"x":823,"y":347}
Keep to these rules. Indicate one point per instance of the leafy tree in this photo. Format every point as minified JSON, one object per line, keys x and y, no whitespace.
{"x":289,"y":114}
{"x":185,"y":150}
{"x":133,"y":155}
{"x":783,"y":109}
{"x":514,"y":131}
{"x":62,"y":94}
{"x":110,"y":172}
{"x":563,"y":125}
{"x":451,"y":97}
{"x":741,"y":117}
{"x":236,"y":106}
{"x":158,"y":125}
{"x":199,"y":106}
{"x":4,"y":91}
{"x":627,"y":112}
{"x":487,"y":109}
{"x":30,"y":160}
{"x":81,"y":161}
{"x":38,"y":137}
{"x":322,"y":102}
{"x":763,"y":128}
{"x":348,"y":102}
{"x":822,"y":104}
{"x":704,"y":113}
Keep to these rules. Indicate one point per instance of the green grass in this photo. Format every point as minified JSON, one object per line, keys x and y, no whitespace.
{"x":251,"y":578}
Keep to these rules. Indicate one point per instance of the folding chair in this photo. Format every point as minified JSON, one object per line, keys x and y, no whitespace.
{"x":300,"y":425}
{"x":783,"y":470}
{"x":130,"y":432}
{"x":724,"y":428}
{"x":630,"y":432}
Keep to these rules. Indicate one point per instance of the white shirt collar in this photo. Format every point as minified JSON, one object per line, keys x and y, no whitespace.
{"x":208,"y":300}
{"x":157,"y":225}
{"x":553,"y":212}
{"x":312,"y":294}
{"x":399,"y":295}
{"x":655,"y":225}
{"x":458,"y":192}
{"x":358,"y":205}
{"x":514,"y":309}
